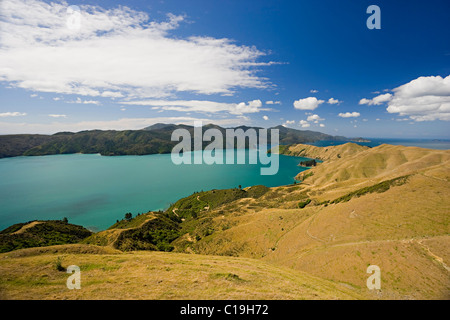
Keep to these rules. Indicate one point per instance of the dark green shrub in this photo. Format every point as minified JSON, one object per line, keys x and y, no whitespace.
{"x":303,"y":204}
{"x":58,"y":264}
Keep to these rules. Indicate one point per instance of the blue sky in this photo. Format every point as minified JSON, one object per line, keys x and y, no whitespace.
{"x":128,"y":64}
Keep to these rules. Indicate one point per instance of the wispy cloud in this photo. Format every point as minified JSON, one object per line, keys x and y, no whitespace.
{"x":349,"y":115}
{"x":80,"y":101}
{"x":12,"y":114}
{"x":117,"y":53}
{"x":57,"y":115}
{"x":253,"y":106}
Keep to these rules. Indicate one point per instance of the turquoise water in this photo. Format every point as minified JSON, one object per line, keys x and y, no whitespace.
{"x":94,"y":191}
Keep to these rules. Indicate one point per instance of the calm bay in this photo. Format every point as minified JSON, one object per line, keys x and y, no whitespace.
{"x":94,"y":191}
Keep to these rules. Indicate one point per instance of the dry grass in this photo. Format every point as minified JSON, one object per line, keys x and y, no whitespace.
{"x":407,"y":270}
{"x":338,"y":241}
{"x":324,"y":153}
{"x":158,"y":275}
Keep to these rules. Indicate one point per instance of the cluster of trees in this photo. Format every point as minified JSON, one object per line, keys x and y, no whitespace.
{"x":128,"y":216}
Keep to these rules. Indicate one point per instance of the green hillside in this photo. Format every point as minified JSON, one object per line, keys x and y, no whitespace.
{"x":151,"y":140}
{"x":40,"y":233}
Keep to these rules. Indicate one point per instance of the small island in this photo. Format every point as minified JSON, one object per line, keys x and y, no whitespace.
{"x":308,"y":163}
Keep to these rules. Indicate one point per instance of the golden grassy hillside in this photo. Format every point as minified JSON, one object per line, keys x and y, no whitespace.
{"x":382,"y":162}
{"x":323,"y":153}
{"x":401,"y":225}
{"x":108,"y":274}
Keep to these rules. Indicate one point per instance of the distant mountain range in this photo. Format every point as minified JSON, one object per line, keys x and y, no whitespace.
{"x":150,"y":140}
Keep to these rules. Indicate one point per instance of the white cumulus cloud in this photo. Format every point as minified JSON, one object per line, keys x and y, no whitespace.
{"x":423,"y":99}
{"x":314,"y":118}
{"x":288,"y":123}
{"x":309,"y":103}
{"x":304,"y":124}
{"x":116,"y":53}
{"x":333,"y":101}
{"x":382,"y":98}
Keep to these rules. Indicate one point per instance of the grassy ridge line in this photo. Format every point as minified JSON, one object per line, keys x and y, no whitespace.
{"x":375,"y":164}
{"x":379,"y":188}
{"x":320,"y":153}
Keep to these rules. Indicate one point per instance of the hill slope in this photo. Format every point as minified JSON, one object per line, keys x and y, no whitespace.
{"x":30,"y":274}
{"x":150,"y":231}
{"x":391,"y":210}
{"x":151,"y":140}
{"x":322,"y":153}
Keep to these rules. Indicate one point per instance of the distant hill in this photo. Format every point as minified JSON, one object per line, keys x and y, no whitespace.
{"x":157,"y":126}
{"x":150,"y":140}
{"x":18,"y":144}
